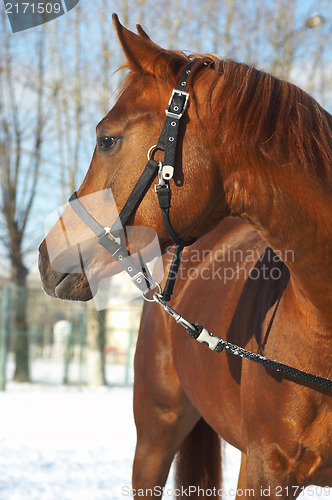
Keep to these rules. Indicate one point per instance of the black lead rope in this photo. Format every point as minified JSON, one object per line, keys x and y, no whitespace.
{"x":216,"y":344}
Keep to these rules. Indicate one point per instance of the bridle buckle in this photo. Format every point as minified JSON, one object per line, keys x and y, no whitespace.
{"x":171,"y":110}
{"x":117,"y":239}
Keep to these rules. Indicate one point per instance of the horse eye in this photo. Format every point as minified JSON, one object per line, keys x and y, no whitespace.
{"x":105,"y":142}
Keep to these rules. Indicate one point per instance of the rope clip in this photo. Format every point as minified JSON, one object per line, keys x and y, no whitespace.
{"x":175,"y":315}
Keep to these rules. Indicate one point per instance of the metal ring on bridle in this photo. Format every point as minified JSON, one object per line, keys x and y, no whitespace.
{"x":155,"y":284}
{"x":152,"y":151}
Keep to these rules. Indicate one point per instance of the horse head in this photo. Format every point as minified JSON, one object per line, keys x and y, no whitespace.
{"x":124,"y":137}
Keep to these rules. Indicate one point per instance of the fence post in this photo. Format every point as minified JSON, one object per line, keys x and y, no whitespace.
{"x":67,"y":354}
{"x":128,"y":357}
{"x":82,"y":330}
{"x":4,"y":334}
{"x":33,"y":337}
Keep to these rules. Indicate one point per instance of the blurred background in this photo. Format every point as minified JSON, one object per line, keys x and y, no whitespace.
{"x":56,"y":82}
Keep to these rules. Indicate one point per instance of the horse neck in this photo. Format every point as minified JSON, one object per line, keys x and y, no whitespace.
{"x":293,"y":213}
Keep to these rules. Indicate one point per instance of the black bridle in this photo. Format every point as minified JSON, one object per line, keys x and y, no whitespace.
{"x":113,"y":238}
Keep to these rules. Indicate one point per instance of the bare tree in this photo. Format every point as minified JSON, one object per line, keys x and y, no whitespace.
{"x":20,"y":160}
{"x":68,"y":77}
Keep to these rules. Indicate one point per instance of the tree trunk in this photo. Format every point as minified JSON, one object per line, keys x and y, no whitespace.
{"x":95,"y":344}
{"x":20,"y":328}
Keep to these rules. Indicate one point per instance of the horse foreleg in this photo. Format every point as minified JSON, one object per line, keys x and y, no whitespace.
{"x":163,"y":415}
{"x":159,"y":437}
{"x":270,"y":474}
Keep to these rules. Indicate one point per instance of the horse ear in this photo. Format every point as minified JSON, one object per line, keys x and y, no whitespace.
{"x":142,"y":33}
{"x":139,"y":49}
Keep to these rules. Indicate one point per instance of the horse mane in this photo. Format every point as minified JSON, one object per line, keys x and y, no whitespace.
{"x":274,"y":117}
{"x":258,"y":111}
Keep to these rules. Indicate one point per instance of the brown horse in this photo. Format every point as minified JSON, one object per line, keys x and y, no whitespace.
{"x":254,"y":163}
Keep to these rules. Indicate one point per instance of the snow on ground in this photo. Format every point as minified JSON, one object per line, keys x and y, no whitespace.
{"x":66,"y":443}
{"x":61,"y":443}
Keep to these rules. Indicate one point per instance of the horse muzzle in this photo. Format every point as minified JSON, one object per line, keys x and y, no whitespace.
{"x":69,"y":285}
